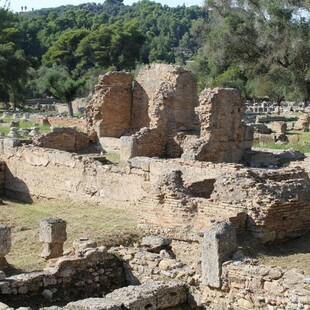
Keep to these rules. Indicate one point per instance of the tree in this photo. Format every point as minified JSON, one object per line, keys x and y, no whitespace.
{"x":61,"y":84}
{"x":63,"y":50}
{"x":13,"y":63}
{"x":265,"y":40}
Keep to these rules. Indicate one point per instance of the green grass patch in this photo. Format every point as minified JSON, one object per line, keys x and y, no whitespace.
{"x":113,"y":157}
{"x":5,"y":128}
{"x":303,"y":144}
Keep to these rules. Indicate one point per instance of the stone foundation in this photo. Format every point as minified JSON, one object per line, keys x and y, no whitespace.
{"x":271,"y":204}
{"x":65,"y":139}
{"x":91,"y":273}
{"x":247,"y":285}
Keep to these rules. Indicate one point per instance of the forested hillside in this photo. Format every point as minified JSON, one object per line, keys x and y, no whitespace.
{"x":79,"y":42}
{"x":261,"y":47}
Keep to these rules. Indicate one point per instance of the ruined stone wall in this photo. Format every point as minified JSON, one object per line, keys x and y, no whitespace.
{"x":34,"y":172}
{"x":271,"y":204}
{"x":170,"y":95}
{"x":146,"y":142}
{"x":108,"y":112}
{"x":277,"y":201}
{"x":164,"y":101}
{"x":150,"y":295}
{"x":247,"y":285}
{"x":223,"y":135}
{"x":170,"y":208}
{"x":68,"y":278}
{"x":81,"y":123}
{"x":65,"y":139}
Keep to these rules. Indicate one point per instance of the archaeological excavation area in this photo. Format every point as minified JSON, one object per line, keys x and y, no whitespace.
{"x":187,"y":168}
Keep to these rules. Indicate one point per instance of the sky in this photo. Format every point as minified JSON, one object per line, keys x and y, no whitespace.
{"x":38,"y":4}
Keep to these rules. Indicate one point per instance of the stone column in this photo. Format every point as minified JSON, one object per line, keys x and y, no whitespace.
{"x":219,"y":244}
{"x":5,"y":245}
{"x":53,"y":234}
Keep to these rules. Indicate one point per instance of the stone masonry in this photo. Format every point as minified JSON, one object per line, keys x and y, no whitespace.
{"x":53,"y":234}
{"x":271,"y":204}
{"x":108,"y":112}
{"x":223,"y":135}
{"x":219,"y":244}
{"x":162,"y":116}
{"x":5,"y":245}
{"x":91,"y":272}
{"x":164,"y":101}
{"x":65,"y":139}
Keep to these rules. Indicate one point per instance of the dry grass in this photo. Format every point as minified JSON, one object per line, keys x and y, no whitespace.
{"x":293,"y":253}
{"x":106,"y":225}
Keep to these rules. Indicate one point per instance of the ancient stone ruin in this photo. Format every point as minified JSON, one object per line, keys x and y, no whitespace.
{"x":53,"y":235}
{"x":132,"y":278}
{"x":162,"y":116}
{"x":65,"y":139}
{"x":188,"y":172}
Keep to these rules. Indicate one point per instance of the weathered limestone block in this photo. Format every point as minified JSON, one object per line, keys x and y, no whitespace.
{"x":151,"y":295}
{"x":108,"y":112}
{"x":279,"y":127}
{"x":302,"y":123}
{"x":223,"y":136}
{"x":156,"y":243}
{"x":219,"y":244}
{"x":53,"y":234}
{"x":83,"y":243}
{"x":5,"y":244}
{"x":66,"y":139}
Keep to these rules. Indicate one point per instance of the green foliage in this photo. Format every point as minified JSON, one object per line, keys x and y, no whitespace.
{"x":13,"y":63}
{"x":265,"y":41}
{"x":92,"y":38}
{"x":63,"y":50}
{"x":58,"y":81}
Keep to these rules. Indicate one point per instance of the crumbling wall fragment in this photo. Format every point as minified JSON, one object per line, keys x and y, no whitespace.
{"x":302,"y":123}
{"x":65,"y":139}
{"x":152,"y":295}
{"x":223,"y":135}
{"x":108,"y":112}
{"x":164,"y":101}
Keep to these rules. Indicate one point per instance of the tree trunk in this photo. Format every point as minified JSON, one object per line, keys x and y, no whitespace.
{"x":70,"y":109}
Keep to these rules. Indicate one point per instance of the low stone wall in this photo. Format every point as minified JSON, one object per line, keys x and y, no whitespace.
{"x":247,"y":285}
{"x":151,"y":295}
{"x":34,"y":173}
{"x":65,"y":121}
{"x":91,"y":273}
{"x":271,"y":204}
{"x":65,"y":139}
